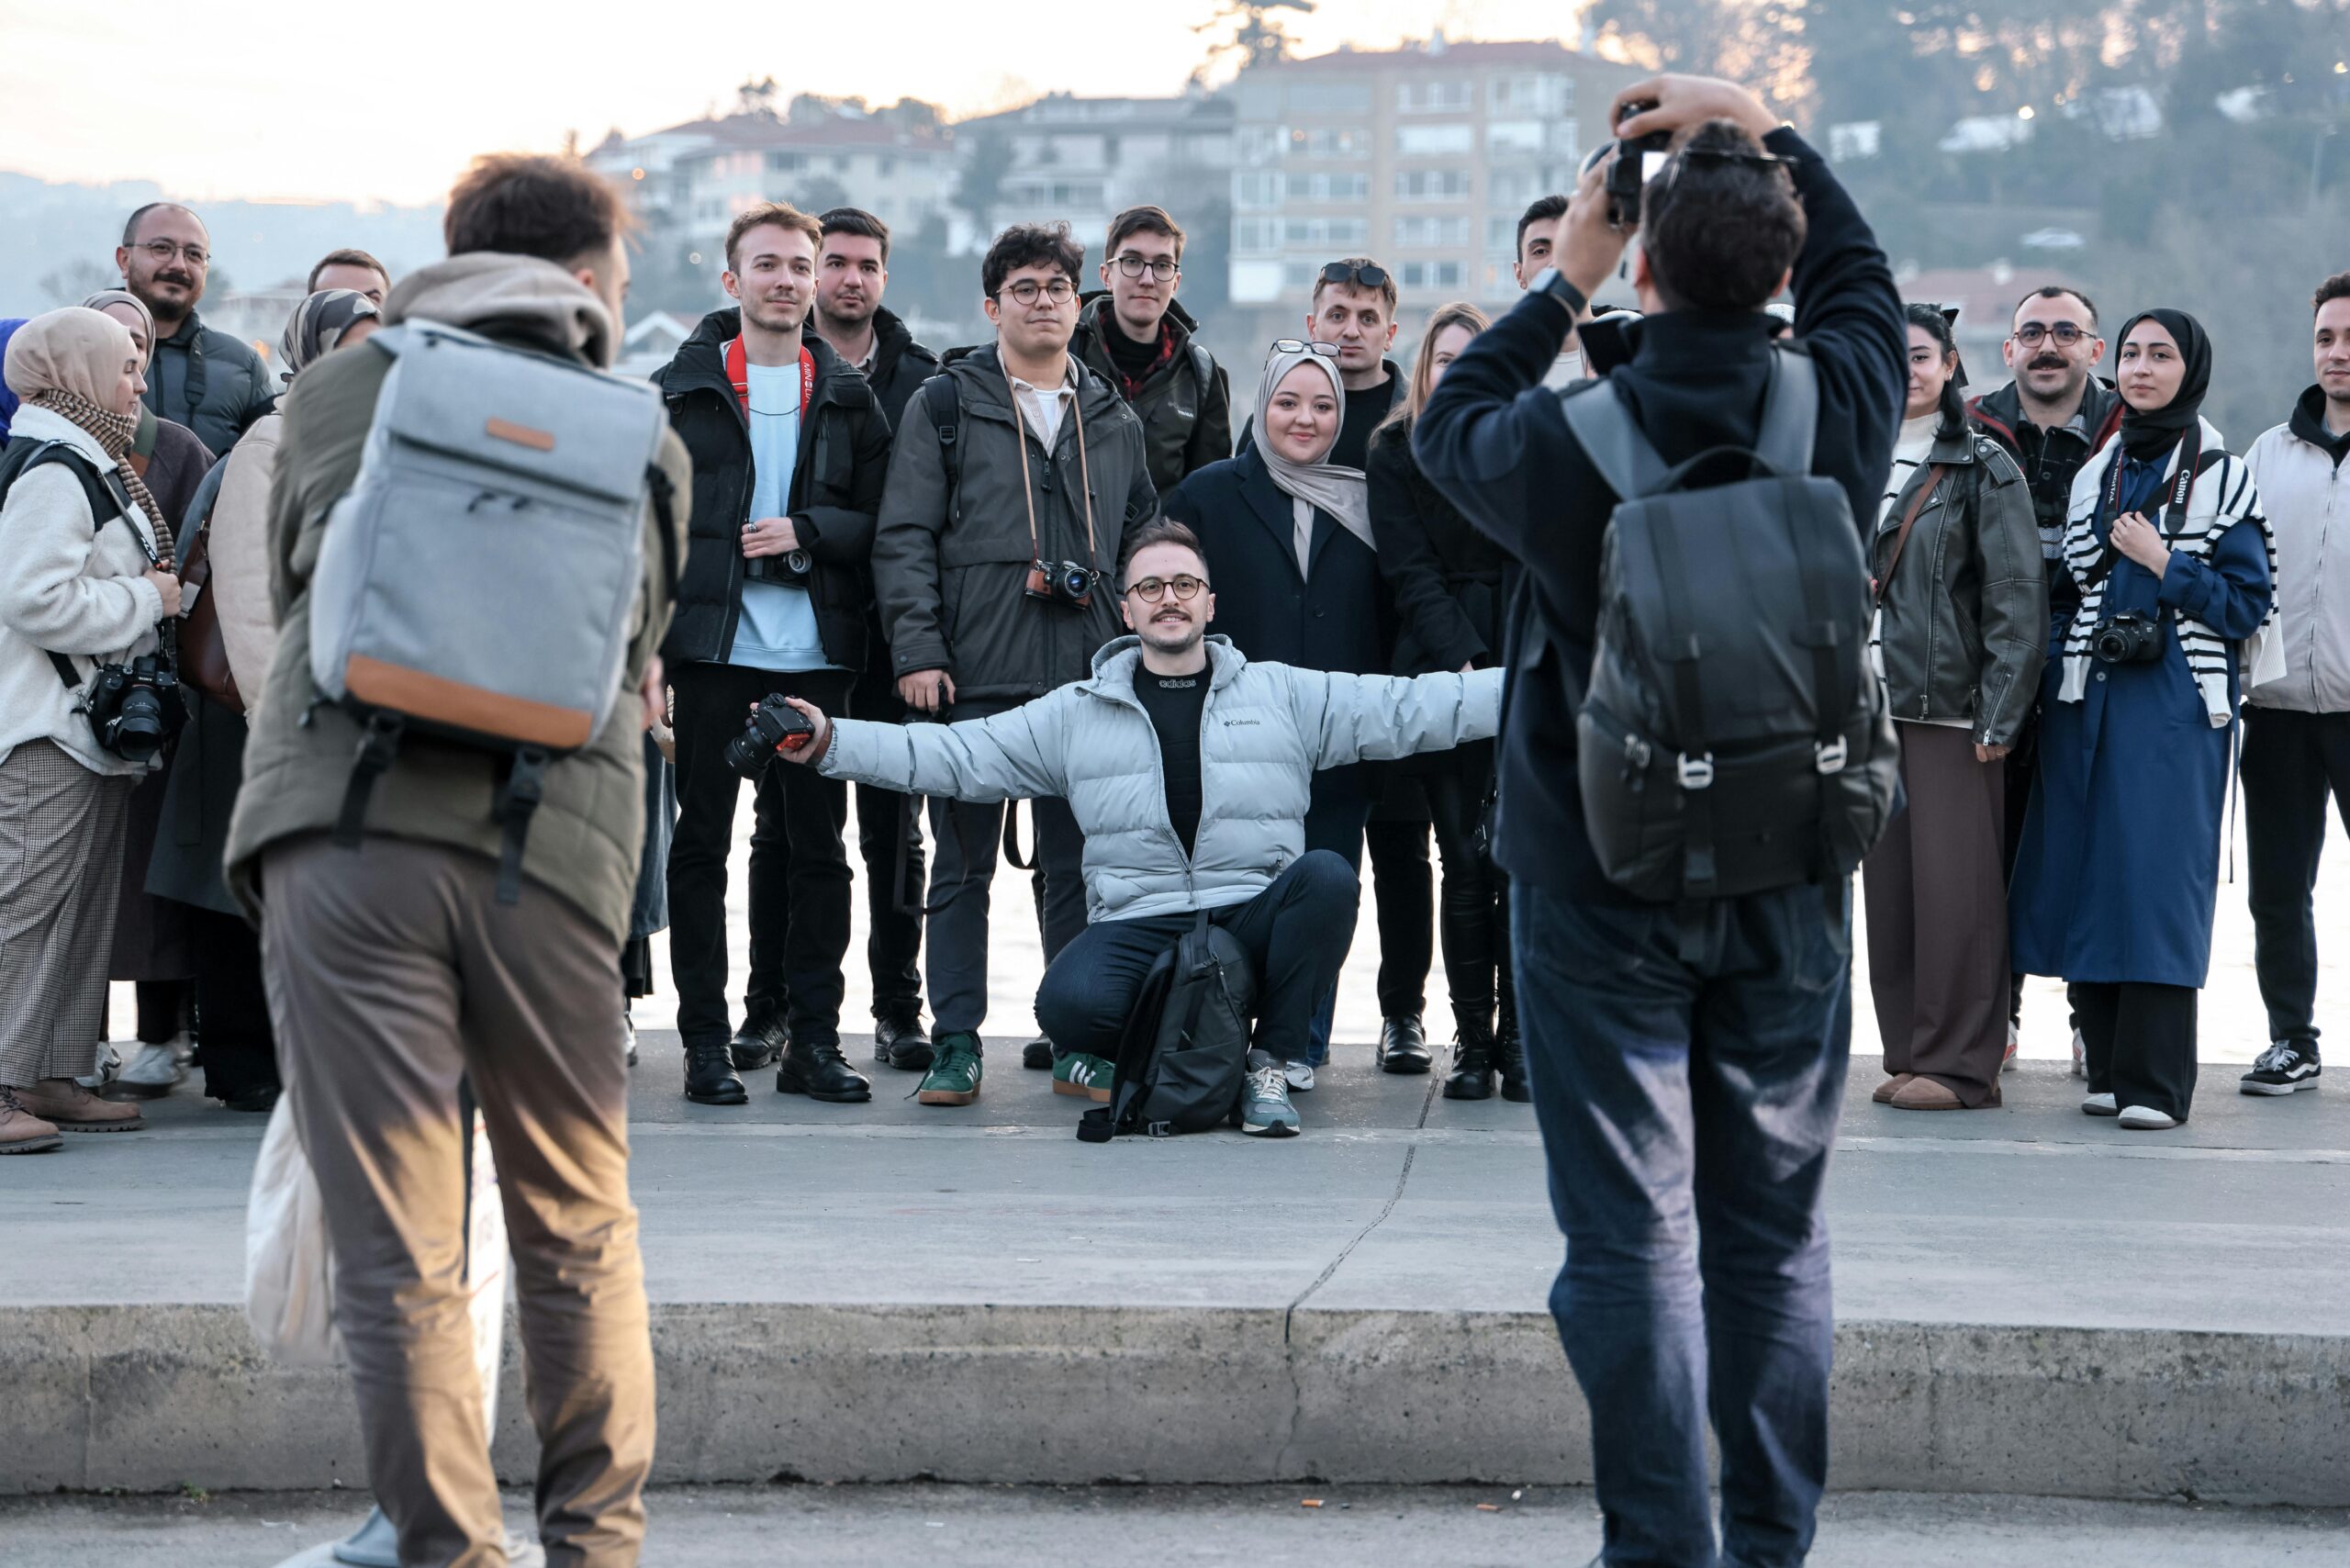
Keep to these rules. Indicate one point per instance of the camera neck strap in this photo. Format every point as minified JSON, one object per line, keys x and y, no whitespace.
{"x":2173,"y":507}
{"x":738,"y":374}
{"x":1027,"y":485}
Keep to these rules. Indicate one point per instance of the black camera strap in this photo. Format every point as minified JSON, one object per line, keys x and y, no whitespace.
{"x":108,"y":498}
{"x":2182,"y":485}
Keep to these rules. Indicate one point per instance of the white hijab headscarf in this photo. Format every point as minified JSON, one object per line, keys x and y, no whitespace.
{"x":1337,"y":490}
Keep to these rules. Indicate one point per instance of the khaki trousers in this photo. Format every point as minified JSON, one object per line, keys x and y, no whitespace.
{"x":392,"y":973}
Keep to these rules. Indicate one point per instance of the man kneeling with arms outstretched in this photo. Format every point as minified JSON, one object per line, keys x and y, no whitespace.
{"x":1188,"y":768}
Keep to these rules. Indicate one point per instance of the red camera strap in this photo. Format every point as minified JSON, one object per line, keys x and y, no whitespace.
{"x":738,"y":372}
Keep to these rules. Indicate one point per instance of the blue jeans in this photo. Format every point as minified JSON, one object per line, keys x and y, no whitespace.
{"x":1687,"y":1070}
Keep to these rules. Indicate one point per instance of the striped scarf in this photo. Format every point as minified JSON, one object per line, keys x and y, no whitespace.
{"x":2207,"y":652}
{"x":113,"y":434}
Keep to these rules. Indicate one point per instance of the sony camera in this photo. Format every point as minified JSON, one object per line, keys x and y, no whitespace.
{"x":791,"y":567}
{"x":1067,"y":583}
{"x":1636,"y":161}
{"x":136,"y":707}
{"x":2129,"y":639}
{"x":775,"y":726}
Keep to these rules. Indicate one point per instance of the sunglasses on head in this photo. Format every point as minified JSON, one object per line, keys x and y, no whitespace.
{"x":1299,"y":345}
{"x":1365,"y":276}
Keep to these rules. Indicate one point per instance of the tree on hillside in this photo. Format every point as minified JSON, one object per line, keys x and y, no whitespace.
{"x":1259,"y":37}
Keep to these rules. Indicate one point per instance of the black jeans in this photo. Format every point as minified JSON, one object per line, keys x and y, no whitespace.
{"x":966,"y":839}
{"x":1296,"y":933}
{"x":798,"y":905}
{"x":1688,"y":1069}
{"x":2292,"y":763}
{"x":2139,"y":1041}
{"x":1473,"y":898}
{"x":1404,"y":887}
{"x":233,"y":1042}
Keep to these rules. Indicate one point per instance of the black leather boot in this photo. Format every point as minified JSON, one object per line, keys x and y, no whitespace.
{"x":1509,"y":1056}
{"x":1472,"y":1077}
{"x":817,"y":1069}
{"x":757,"y":1044}
{"x":899,"y":1041}
{"x":709,"y":1076}
{"x":1403,"y":1045}
{"x":1037,"y":1055}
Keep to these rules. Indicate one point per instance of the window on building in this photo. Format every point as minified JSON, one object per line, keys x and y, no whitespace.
{"x":1329,"y":97}
{"x":1431,"y":232}
{"x":1508,"y":188}
{"x":1514,"y":136}
{"x":1256,"y":188}
{"x":1325,"y":143}
{"x":1326,"y":187}
{"x":1334,"y":233}
{"x":786,"y":162}
{"x":1547,"y":94}
{"x":1501,"y":234}
{"x":1258,"y":143}
{"x":1431,"y":184}
{"x":1431,"y":274}
{"x":1256,"y":236}
{"x":1425,"y":95}
{"x":1434,"y":140}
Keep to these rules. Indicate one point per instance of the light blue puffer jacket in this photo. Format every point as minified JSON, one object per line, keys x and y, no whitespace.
{"x":1266,"y":728}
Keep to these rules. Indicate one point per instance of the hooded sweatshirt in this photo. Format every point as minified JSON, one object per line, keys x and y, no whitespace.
{"x":585,"y":836}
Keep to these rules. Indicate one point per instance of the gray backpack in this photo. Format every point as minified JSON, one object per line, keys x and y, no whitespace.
{"x":1733,"y":739}
{"x":479,"y":580}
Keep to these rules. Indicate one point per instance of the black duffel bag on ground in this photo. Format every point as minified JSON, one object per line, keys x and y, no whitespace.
{"x":1184,"y":1055}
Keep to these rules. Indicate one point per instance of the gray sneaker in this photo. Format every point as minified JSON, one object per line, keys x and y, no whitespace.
{"x":1265,"y":1110}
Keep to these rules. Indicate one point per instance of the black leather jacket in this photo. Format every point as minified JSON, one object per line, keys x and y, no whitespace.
{"x":1965,"y":618}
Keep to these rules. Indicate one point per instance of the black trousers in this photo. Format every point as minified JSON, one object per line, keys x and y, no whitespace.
{"x":1295,"y":932}
{"x":2292,"y":764}
{"x":1473,"y":903}
{"x":966,"y":840}
{"x":234,"y":1044}
{"x":2140,"y":1042}
{"x":1403,"y":884}
{"x":799,"y":880}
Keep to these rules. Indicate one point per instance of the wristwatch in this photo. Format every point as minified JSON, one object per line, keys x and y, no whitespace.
{"x":1548,"y":281}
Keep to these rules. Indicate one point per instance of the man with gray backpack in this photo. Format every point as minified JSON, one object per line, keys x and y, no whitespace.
{"x":474,"y":535}
{"x":1694,"y":760}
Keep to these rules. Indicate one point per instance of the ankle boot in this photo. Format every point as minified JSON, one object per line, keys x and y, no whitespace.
{"x":817,"y":1069}
{"x":1472,"y":1077}
{"x":1509,"y":1056}
{"x":710,"y":1075}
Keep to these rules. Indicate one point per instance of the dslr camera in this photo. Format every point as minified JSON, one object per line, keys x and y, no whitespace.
{"x":2129,"y":639}
{"x":134,"y":709}
{"x":791,"y":567}
{"x":1636,"y":161}
{"x":775,"y":726}
{"x":1069,"y":583}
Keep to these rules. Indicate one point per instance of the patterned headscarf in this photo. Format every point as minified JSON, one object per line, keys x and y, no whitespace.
{"x":317,"y":324}
{"x":66,"y":362}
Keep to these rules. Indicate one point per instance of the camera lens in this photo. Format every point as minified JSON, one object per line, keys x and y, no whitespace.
{"x":139,"y":727}
{"x":1073,"y":582}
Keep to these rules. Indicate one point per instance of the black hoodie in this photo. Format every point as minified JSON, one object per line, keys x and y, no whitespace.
{"x":842,"y":462}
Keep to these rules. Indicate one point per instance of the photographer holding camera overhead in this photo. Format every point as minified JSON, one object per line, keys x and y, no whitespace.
{"x":87,"y":698}
{"x":1016,"y":478}
{"x":789,"y":454}
{"x":1687,"y":1046}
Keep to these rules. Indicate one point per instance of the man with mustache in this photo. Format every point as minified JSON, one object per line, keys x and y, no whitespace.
{"x":2054,"y":416}
{"x":207,"y":380}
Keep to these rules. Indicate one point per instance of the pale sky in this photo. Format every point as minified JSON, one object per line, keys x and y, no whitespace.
{"x":273,"y":99}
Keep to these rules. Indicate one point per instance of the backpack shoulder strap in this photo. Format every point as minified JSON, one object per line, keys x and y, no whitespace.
{"x":1614,"y":443}
{"x":1202,"y":367}
{"x":106,"y":495}
{"x":1790,"y":413}
{"x":943,"y":401}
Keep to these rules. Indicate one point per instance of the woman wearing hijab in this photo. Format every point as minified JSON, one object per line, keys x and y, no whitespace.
{"x":151,"y":944}
{"x":2115,"y":886}
{"x":235,"y":1046}
{"x":1289,"y":549}
{"x":1960,"y":641}
{"x":1448,"y":584}
{"x":75,"y":595}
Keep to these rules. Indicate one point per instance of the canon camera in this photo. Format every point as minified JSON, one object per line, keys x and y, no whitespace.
{"x":775,"y":726}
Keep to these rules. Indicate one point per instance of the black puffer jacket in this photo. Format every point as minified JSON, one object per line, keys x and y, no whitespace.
{"x":835,"y":491}
{"x":1964,"y":621}
{"x":1185,"y":404}
{"x":900,"y":364}
{"x":1446,"y":577}
{"x":950,"y":567}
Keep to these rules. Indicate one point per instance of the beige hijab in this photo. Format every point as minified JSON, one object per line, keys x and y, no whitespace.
{"x":68,"y":361}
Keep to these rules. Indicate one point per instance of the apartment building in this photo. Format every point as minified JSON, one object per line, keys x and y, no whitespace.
{"x":1086,"y":160}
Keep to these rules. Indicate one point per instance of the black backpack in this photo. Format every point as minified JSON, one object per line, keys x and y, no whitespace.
{"x":1184,"y":1055}
{"x":1733,"y":739}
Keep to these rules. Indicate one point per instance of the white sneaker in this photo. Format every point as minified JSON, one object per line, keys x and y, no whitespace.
{"x":109,"y":1063}
{"x":2080,"y":1055}
{"x":1300,"y":1075}
{"x":2007,"y":1063}
{"x":2145,"y":1119}
{"x":153,"y":1072}
{"x":2099,"y":1105}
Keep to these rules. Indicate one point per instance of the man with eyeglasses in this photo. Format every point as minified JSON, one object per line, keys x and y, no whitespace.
{"x":209,"y":381}
{"x":2053,"y":418}
{"x":1132,"y":334}
{"x":1188,"y":769}
{"x":1016,"y":477}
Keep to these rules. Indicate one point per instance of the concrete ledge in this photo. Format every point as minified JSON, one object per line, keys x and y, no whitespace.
{"x":148,"y":1398}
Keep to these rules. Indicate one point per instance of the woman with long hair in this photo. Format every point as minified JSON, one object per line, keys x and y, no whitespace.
{"x":2118,"y":873}
{"x":1959,"y":639}
{"x":1447,"y":582}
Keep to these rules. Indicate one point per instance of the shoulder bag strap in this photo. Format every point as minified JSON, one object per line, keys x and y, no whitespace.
{"x":1909,"y":521}
{"x":1614,"y":443}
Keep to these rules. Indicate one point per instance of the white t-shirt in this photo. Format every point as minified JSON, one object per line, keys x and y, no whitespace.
{"x":778,"y":628}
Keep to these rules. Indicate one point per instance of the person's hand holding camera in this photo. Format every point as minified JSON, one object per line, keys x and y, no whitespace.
{"x":926,"y":690}
{"x":818,"y":743}
{"x":1674,"y":103}
{"x":769,"y":536}
{"x":168,"y":586}
{"x":2142,"y":541}
{"x":1588,"y":246}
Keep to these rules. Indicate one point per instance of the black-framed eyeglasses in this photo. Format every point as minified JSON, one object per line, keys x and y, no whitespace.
{"x":1367,"y":276}
{"x":2066,"y":333}
{"x":1152,"y":589}
{"x":164,"y":250}
{"x":1299,"y":345}
{"x":1026,"y":290}
{"x":1162,"y":269}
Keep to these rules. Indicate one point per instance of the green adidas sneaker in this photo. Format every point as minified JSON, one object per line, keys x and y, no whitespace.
{"x":1078,"y":1073}
{"x":953,"y":1076}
